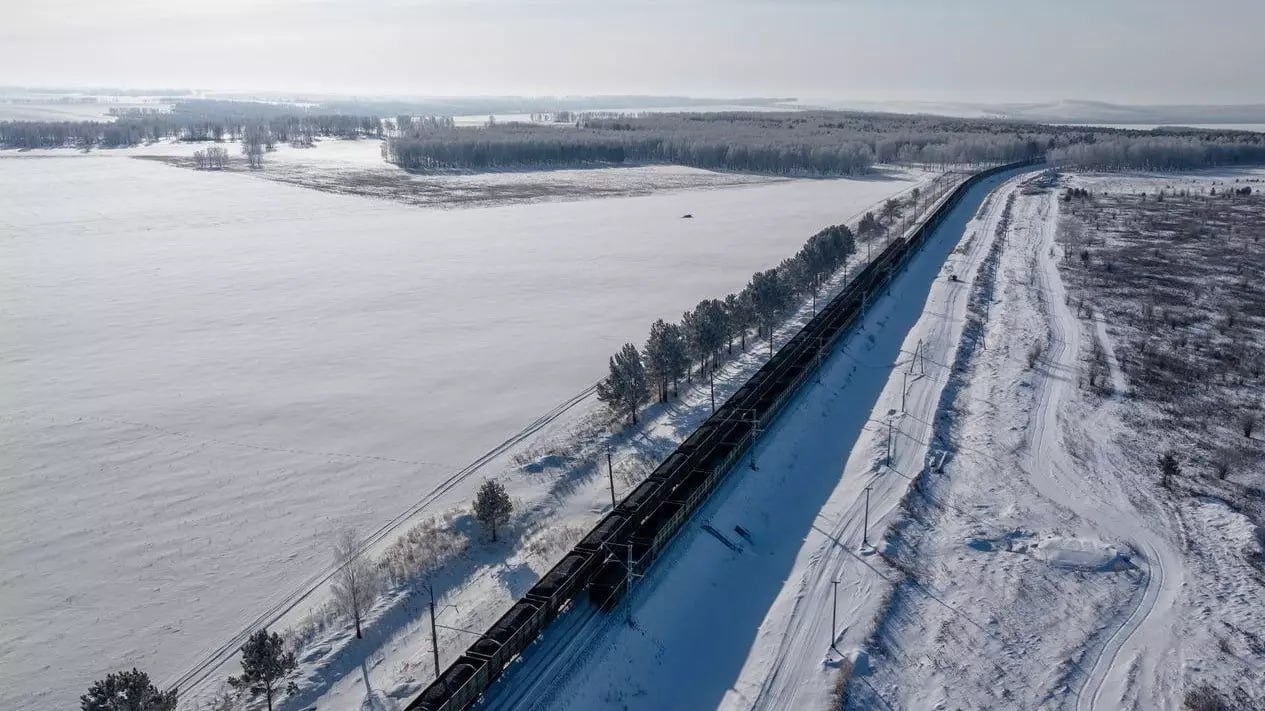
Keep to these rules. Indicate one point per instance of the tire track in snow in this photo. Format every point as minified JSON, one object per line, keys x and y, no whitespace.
{"x":1047,"y":455}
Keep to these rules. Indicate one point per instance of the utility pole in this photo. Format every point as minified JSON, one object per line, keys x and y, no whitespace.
{"x":819,"y":360}
{"x":865,"y":529}
{"x":628,"y":581}
{"x":434,"y":636}
{"x":834,"y":615}
{"x":889,"y":441}
{"x":610,"y":474}
{"x":755,"y":436}
{"x":904,"y":383}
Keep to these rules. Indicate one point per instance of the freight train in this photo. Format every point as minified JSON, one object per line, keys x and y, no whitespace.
{"x":633,"y":535}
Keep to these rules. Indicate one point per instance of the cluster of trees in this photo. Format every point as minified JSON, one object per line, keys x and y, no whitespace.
{"x":196,"y":120}
{"x":265,"y":664}
{"x":1180,"y":152}
{"x":705,"y":335}
{"x":799,"y":143}
{"x":211,"y":158}
{"x":406,"y":125}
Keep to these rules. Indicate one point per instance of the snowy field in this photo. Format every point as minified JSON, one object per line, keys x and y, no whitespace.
{"x":356,"y":167}
{"x":1088,"y":584}
{"x":206,"y":375}
{"x":69,"y":111}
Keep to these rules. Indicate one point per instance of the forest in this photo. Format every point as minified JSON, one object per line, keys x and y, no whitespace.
{"x":792,"y":143}
{"x":193,"y":120}
{"x":1169,"y":150}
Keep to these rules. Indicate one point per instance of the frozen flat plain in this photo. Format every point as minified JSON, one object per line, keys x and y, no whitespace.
{"x":205,"y":375}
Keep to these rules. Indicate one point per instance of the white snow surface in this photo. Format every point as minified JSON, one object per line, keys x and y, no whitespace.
{"x":1049,"y":570}
{"x":716,"y":627}
{"x":205,"y":376}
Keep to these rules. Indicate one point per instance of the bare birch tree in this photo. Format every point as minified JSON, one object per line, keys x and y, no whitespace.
{"x":357,"y":582}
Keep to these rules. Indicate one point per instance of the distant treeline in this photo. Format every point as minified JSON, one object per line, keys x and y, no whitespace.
{"x":189,"y":121}
{"x":795,"y":143}
{"x":1185,"y":151}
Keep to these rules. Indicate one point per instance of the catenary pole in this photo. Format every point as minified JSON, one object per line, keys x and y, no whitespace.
{"x":434,"y":635}
{"x":865,"y":528}
{"x":610,"y":474}
{"x":834,"y":615}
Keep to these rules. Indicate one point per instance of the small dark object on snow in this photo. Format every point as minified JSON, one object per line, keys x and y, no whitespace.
{"x":953,"y":277}
{"x":687,"y":216}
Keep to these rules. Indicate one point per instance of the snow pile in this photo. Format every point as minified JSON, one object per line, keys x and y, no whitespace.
{"x":1079,"y":554}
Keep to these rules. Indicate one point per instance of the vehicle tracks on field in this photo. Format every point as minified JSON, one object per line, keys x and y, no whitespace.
{"x":1051,"y":470}
{"x":217,"y":657}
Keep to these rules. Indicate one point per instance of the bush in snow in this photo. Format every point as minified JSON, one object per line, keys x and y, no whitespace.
{"x":1169,"y":469}
{"x":423,"y":550}
{"x":1034,"y":354}
{"x":1205,"y":698}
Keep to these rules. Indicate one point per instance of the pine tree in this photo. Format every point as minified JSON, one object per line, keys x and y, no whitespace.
{"x":127,"y":691}
{"x":769,"y":298}
{"x":869,"y":226}
{"x":741,"y":316}
{"x":659,"y":357}
{"x":492,"y":505}
{"x":625,"y":389}
{"x":265,"y":662}
{"x":891,"y":210}
{"x":678,"y":355}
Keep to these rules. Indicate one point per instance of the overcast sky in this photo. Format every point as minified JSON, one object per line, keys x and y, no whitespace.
{"x":1125,"y":51}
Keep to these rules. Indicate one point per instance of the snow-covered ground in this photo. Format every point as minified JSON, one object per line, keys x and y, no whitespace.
{"x":715,"y":627}
{"x":205,"y":376}
{"x":1061,"y":575}
{"x":1025,"y":555}
{"x":356,"y":167}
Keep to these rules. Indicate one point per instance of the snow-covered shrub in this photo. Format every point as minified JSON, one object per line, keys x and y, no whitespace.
{"x":423,"y":550}
{"x":548,"y":542}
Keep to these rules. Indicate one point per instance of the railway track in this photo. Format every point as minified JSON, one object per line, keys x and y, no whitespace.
{"x":626,"y":542}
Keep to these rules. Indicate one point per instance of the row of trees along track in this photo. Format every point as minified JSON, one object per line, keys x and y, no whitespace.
{"x":624,"y":544}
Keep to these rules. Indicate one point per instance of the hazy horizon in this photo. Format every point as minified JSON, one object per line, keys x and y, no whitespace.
{"x":855,"y":50}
